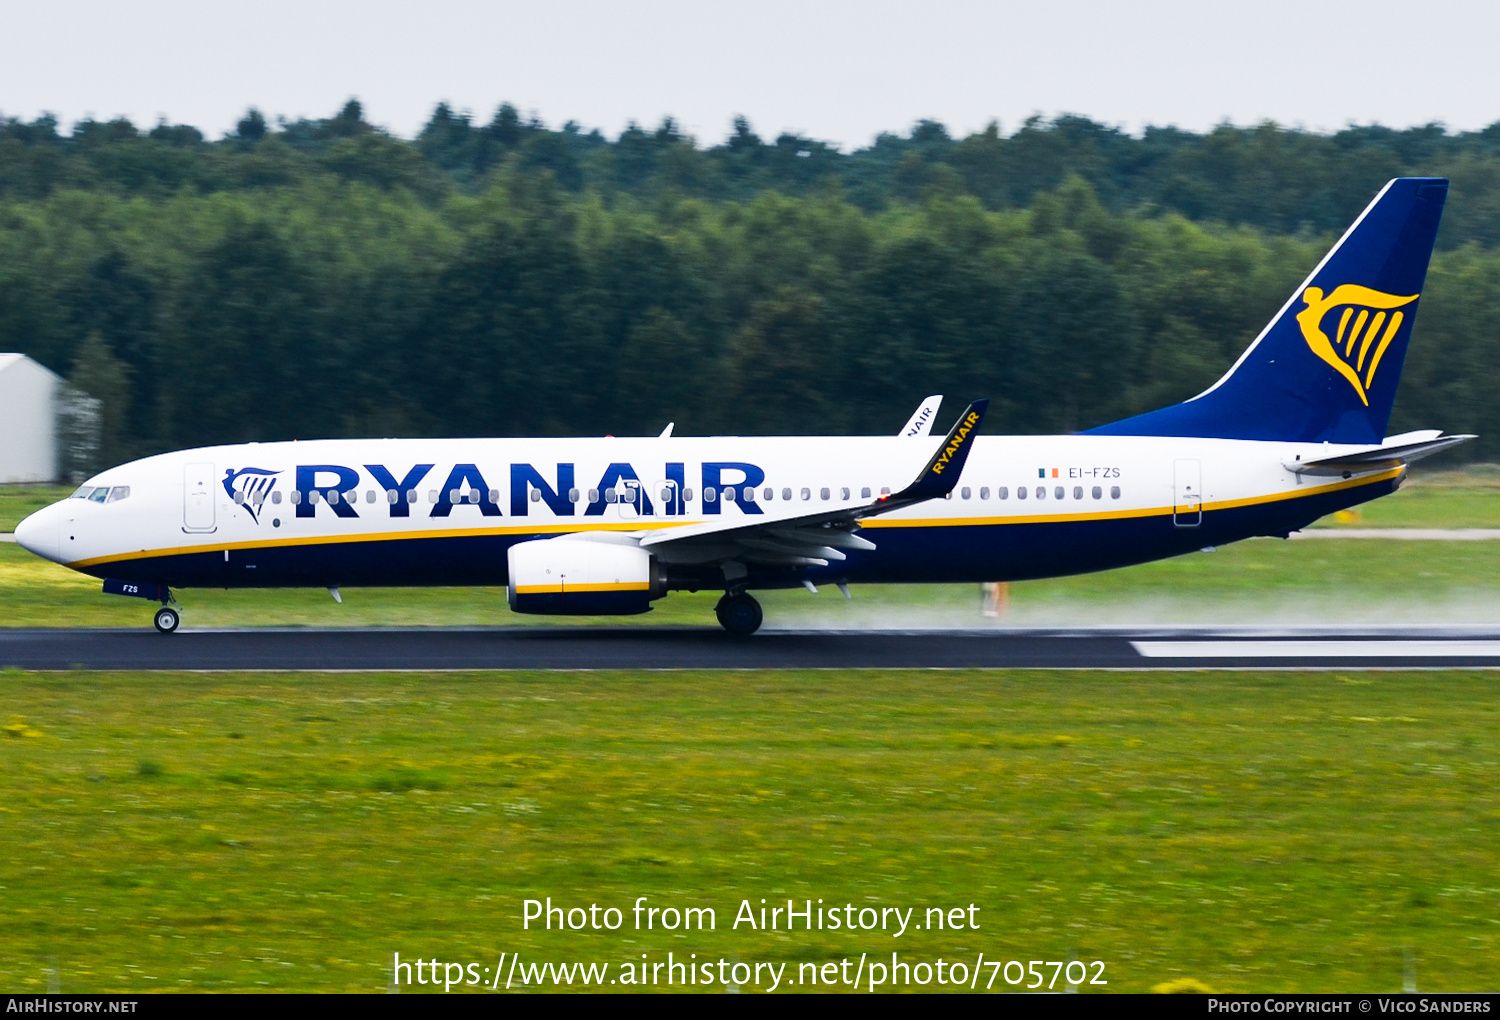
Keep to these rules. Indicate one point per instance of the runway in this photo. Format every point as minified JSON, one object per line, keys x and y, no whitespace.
{"x":588,"y":648}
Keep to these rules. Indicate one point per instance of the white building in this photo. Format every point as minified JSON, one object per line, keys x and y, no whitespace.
{"x":45,"y":425}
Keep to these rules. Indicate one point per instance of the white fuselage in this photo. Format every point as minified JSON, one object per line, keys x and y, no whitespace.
{"x":365,"y":511}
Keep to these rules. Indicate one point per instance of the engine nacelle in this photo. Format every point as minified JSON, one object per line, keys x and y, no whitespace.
{"x":573,"y":577}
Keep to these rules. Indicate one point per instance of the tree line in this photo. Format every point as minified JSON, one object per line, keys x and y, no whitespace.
{"x":326,"y":279}
{"x":1281,"y":180}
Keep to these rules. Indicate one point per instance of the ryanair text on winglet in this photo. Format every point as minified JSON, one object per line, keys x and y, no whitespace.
{"x":959,"y":437}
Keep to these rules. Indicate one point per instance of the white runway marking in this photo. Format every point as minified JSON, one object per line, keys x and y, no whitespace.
{"x":1405,"y":534}
{"x":1374,"y":649}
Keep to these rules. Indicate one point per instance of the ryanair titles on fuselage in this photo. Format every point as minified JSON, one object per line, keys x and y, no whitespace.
{"x":465,"y":484}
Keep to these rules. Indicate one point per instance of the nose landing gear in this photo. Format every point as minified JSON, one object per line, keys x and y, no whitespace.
{"x":167,"y":619}
{"x":739,"y":613}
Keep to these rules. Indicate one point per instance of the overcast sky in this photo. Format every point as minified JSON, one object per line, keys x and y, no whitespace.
{"x":831,"y":69}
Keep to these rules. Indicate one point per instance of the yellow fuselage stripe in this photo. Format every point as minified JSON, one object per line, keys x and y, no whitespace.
{"x":545,"y":589}
{"x":643,"y":525}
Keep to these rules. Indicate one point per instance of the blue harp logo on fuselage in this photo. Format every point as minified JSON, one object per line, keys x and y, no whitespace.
{"x":249,"y":487}
{"x":1361,"y":332}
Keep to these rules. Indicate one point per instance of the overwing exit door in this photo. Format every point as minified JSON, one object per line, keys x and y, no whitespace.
{"x":1187,"y":499}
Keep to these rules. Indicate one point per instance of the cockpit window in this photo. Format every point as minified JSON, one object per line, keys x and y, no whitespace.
{"x":102,"y":493}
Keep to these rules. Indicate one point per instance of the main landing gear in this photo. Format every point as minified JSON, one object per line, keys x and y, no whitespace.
{"x":739,"y":613}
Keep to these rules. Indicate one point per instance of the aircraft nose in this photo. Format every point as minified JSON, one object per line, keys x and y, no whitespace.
{"x":38,"y":533}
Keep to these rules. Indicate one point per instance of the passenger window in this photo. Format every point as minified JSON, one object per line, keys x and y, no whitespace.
{"x":1059,"y":492}
{"x":885,"y":490}
{"x":1003,"y":492}
{"x":118,"y":493}
{"x":844,"y":493}
{"x":411,"y":495}
{"x":473,"y":496}
{"x":593,"y":495}
{"x":1098,"y":493}
{"x":432,"y":495}
{"x":687,"y":495}
{"x":1077,"y":492}
{"x":768,"y":494}
{"x":494,"y":495}
{"x":748,"y":495}
{"x":709,"y":494}
{"x":611,"y":496}
{"x":313,"y":496}
{"x":728,"y":495}
{"x":258,"y":498}
{"x":984,"y":492}
{"x":276,"y":498}
{"x":823,"y":493}
{"x":966,"y":492}
{"x":1041,"y":492}
{"x":369,"y":495}
{"x":786,"y":493}
{"x":295,"y":496}
{"x":807,"y":494}
{"x":1114,"y":492}
{"x":1020,"y":493}
{"x":572,"y":496}
{"x":391,"y":496}
{"x":864,"y":493}
{"x":536,"y":495}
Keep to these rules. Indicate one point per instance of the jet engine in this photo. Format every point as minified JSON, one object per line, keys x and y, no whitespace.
{"x":582,"y":577}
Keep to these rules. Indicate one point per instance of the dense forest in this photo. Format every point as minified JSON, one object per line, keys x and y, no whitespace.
{"x":325,"y":278}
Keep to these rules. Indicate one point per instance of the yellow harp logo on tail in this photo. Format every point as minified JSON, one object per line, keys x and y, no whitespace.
{"x":1365,"y":329}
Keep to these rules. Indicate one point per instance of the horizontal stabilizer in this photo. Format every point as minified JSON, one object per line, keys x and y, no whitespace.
{"x":1379,"y":457}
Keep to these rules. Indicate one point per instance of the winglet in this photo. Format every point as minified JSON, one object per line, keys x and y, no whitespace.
{"x":941,"y":473}
{"x":920,"y":422}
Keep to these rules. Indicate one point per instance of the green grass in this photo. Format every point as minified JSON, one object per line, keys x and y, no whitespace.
{"x":1279,"y":831}
{"x":18,"y":501}
{"x":1461,"y":498}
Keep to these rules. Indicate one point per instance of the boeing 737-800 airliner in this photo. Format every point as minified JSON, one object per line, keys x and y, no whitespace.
{"x":1295,"y":430}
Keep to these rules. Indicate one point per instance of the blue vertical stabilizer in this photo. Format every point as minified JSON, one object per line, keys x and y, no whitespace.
{"x":1326,"y":368}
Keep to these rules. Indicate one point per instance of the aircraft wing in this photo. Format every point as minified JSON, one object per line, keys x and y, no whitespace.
{"x":1394,"y":452}
{"x":814,"y":539}
{"x":920,"y":422}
